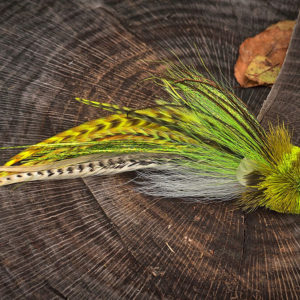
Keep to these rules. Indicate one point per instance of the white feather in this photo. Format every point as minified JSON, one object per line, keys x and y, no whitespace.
{"x":177,"y":182}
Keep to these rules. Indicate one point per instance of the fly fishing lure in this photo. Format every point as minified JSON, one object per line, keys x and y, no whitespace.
{"x":202,"y":143}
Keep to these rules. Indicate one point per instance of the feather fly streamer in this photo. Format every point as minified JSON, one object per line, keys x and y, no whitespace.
{"x":202,"y":143}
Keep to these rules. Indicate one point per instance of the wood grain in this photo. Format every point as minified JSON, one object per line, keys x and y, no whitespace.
{"x":283,"y":101}
{"x":98,"y":238}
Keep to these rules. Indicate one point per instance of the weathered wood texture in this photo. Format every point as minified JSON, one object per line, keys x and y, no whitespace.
{"x":283,"y":102}
{"x":98,"y":238}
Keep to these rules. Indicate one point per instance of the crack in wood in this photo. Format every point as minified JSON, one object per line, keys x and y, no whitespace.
{"x":243,"y":254}
{"x":55,"y":290}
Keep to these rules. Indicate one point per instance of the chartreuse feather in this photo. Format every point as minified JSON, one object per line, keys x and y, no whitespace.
{"x":203,"y":127}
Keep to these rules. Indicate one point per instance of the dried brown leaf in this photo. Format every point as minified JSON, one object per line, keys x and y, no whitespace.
{"x":261,"y":57}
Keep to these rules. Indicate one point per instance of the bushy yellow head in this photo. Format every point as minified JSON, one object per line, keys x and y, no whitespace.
{"x":276,"y":183}
{"x":281,"y":186}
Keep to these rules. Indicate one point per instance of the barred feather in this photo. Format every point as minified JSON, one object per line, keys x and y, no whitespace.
{"x":92,"y":165}
{"x":202,"y":143}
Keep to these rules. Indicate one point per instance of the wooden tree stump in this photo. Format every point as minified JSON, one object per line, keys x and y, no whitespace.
{"x":97,"y":238}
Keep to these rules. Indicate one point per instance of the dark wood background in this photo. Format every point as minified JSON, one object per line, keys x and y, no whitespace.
{"x":98,"y":238}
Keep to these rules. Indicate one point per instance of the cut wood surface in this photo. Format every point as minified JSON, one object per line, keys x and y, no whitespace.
{"x":97,"y":238}
{"x":283,"y":102}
